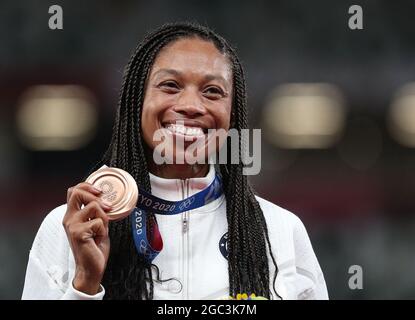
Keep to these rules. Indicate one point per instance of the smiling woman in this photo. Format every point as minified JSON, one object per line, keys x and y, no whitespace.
{"x":219,"y":239}
{"x":188,"y":92}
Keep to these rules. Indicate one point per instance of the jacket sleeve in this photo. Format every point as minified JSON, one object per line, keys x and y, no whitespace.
{"x":307,"y":266}
{"x":48,"y":273}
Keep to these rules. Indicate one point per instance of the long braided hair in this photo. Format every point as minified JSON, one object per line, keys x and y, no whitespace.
{"x":128,"y":275}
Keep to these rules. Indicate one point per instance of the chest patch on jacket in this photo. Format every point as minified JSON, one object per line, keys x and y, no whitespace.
{"x":223,"y":246}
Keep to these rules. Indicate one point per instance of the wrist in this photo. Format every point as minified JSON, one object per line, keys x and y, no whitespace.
{"x":86,"y":282}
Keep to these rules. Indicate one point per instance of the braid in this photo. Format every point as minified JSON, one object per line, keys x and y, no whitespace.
{"x":128,"y":275}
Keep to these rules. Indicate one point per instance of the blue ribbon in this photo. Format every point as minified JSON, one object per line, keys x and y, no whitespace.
{"x":150,"y":248}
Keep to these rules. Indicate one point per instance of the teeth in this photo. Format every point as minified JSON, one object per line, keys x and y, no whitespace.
{"x":181,"y":129}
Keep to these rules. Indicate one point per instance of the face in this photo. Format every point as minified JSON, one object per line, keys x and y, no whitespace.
{"x":189,"y":91}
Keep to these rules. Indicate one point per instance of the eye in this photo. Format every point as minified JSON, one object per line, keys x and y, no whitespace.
{"x":170,"y":86}
{"x":213,"y":92}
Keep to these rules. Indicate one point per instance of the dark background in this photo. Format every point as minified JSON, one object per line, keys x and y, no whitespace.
{"x":355,"y":196}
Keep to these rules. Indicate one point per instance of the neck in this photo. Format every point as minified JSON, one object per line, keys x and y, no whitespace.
{"x":179,"y":171}
{"x":175,"y":171}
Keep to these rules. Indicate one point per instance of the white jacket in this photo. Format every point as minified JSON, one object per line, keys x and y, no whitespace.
{"x":191,"y":254}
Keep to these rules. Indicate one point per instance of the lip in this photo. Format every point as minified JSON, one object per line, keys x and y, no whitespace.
{"x":186,"y":123}
{"x":189,"y":123}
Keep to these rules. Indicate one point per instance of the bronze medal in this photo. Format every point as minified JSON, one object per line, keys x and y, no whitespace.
{"x":118,"y":188}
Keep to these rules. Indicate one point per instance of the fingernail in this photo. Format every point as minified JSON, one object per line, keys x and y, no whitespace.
{"x":96,"y":189}
{"x":106,"y":204}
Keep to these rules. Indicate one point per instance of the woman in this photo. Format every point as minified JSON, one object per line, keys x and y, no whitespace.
{"x":181,"y":77}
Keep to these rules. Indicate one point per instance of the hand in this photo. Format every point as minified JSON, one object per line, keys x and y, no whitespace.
{"x":87,"y":232}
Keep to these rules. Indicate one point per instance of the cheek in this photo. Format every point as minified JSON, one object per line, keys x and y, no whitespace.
{"x":154,"y":107}
{"x":148,"y":121}
{"x":223,"y":116}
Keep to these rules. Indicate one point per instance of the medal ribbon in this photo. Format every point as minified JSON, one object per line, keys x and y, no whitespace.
{"x":150,"y":248}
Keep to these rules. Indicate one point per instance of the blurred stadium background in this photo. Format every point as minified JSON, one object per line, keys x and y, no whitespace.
{"x":336,"y":108}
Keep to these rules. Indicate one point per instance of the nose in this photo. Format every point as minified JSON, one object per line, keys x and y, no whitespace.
{"x":190,"y":104}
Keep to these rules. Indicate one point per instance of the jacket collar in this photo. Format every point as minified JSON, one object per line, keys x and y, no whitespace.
{"x":178,"y":189}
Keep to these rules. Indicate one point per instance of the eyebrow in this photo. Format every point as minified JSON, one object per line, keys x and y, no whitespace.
{"x":208,"y":77}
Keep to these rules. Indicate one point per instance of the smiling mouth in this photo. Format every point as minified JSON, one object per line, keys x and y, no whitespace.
{"x":185,"y":130}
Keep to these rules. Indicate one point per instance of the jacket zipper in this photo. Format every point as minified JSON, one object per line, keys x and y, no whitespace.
{"x":185,"y":249}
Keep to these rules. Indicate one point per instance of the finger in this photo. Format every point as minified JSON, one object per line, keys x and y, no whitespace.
{"x":82,"y":232}
{"x":89,"y":187}
{"x":81,"y":197}
{"x":97,"y":227}
{"x":91,"y":211}
{"x":68,"y":194}
{"x":83,"y":186}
